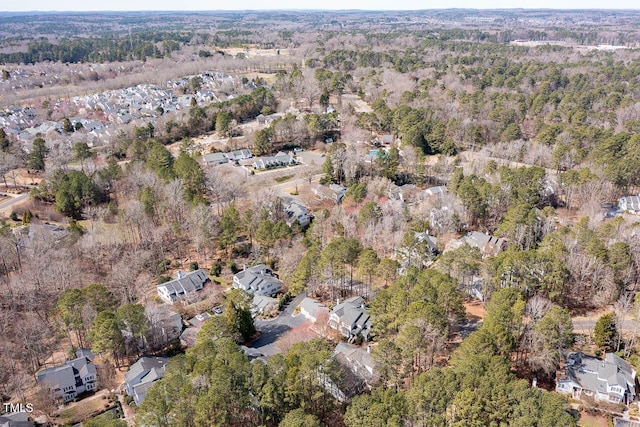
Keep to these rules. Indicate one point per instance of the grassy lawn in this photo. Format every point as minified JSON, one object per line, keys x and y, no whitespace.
{"x":282,"y":179}
{"x":83,"y":410}
{"x":218,"y":280}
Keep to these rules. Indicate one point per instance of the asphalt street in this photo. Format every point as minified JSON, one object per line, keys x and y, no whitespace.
{"x":272,"y":329}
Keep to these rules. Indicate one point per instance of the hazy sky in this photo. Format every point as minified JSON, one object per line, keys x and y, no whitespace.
{"x":92,"y":5}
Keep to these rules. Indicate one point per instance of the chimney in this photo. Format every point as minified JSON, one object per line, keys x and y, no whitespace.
{"x":369,"y":349}
{"x":338,"y":301}
{"x":244,"y":267}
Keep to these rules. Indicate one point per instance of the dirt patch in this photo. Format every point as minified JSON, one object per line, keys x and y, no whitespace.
{"x":588,"y":420}
{"x":474,"y":310}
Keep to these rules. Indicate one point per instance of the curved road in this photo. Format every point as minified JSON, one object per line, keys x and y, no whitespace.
{"x":273,"y":329}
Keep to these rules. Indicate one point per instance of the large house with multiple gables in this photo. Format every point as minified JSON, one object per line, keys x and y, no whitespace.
{"x":612,"y":379}
{"x":351,"y":318}
{"x":75,"y":377}
{"x":257,"y":280}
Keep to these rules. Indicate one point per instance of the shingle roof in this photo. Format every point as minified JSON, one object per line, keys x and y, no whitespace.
{"x":352,"y":312}
{"x":146,"y":364}
{"x":191,"y":282}
{"x":256,"y":277}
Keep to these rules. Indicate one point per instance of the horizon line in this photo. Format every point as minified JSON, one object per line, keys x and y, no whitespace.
{"x":322,"y":10}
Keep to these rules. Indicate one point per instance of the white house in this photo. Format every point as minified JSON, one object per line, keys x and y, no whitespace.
{"x":297,"y":213}
{"x":185,"y":284}
{"x":440,"y":190}
{"x":279,"y":160}
{"x":257,"y":280}
{"x":313,"y":310}
{"x":630,"y":204}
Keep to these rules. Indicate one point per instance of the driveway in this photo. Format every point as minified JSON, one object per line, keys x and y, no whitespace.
{"x":15,"y":199}
{"x":275,"y":328}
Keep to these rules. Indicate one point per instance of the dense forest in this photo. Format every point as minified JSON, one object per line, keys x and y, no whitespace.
{"x":526,"y":124}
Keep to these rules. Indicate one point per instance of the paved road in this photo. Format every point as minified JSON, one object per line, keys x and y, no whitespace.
{"x":584,"y":325}
{"x":16,"y":199}
{"x":273,"y":329}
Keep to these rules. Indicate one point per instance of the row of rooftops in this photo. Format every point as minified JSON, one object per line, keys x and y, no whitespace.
{"x":119,"y":105}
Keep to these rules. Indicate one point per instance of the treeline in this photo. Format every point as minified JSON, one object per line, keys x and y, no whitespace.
{"x":107,"y":48}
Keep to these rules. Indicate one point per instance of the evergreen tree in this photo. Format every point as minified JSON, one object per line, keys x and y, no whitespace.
{"x":37,"y":155}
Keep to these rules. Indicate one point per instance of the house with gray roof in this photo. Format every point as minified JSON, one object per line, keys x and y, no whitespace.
{"x":142,"y":374}
{"x":297,"y":213}
{"x":358,"y":360}
{"x":351,"y":318}
{"x":488,"y":245}
{"x":261,"y":303}
{"x":312,"y":309}
{"x":75,"y":377}
{"x":257,"y":280}
{"x":420,"y":252}
{"x":440,"y":190}
{"x":16,"y":419}
{"x":185,"y":284}
{"x":333,"y":192}
{"x":239,"y":154}
{"x":630,"y":204}
{"x":215,"y":158}
{"x":189,"y":335}
{"x":281,"y":159}
{"x":611,"y":379}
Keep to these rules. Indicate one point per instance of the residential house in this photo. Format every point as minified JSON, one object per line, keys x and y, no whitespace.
{"x":297,"y":213}
{"x":215,"y":158}
{"x":279,"y":160}
{"x":354,"y":373}
{"x":440,"y":190}
{"x":142,"y":374}
{"x":267,"y":120}
{"x":313,"y":310}
{"x":16,"y":419}
{"x":164,"y":325}
{"x":406,"y":193}
{"x":358,"y":360}
{"x":630,"y":204}
{"x":333,"y":192}
{"x":351,"y":318}
{"x":75,"y":377}
{"x":488,"y":245}
{"x":185,"y":284}
{"x":239,"y":155}
{"x":420,"y":252}
{"x":257,"y":280}
{"x":387,"y":138}
{"x":611,"y":379}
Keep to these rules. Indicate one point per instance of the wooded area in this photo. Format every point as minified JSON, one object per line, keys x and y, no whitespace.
{"x":440,"y":135}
